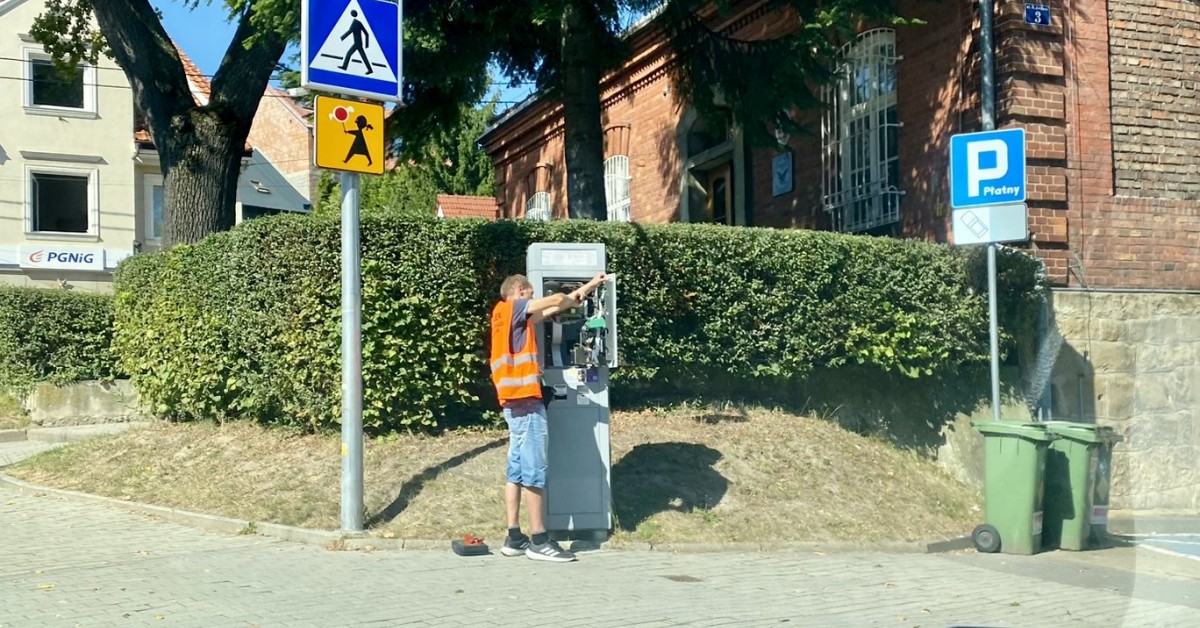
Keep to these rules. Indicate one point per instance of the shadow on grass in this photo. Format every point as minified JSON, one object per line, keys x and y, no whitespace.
{"x":412,"y":488}
{"x":659,"y":477}
{"x":725,"y":416}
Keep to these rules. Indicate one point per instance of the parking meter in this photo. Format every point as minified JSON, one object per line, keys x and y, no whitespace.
{"x":577,"y":348}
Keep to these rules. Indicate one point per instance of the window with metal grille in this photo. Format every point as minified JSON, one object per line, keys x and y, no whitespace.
{"x":616,"y":187}
{"x":538,"y":207}
{"x":860,"y":132}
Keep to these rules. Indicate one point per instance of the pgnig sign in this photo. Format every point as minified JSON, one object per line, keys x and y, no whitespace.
{"x":987,"y":168}
{"x":60,"y":258}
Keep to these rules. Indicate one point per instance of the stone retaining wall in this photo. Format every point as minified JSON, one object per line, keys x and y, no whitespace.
{"x":1132,"y":361}
{"x":83,"y":403}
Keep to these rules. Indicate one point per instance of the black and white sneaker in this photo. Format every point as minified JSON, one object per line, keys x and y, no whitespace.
{"x":515,"y":547}
{"x":549,"y":551}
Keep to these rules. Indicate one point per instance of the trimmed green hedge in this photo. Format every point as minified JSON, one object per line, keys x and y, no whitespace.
{"x":246,"y":323}
{"x":53,"y":335}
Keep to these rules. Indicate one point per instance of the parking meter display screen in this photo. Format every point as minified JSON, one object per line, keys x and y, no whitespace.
{"x":573,"y":258}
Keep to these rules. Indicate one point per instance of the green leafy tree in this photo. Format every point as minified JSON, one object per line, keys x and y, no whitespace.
{"x":200,"y":146}
{"x":450,"y":162}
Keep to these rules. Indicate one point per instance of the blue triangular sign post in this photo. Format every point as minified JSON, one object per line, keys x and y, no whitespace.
{"x":352,"y":47}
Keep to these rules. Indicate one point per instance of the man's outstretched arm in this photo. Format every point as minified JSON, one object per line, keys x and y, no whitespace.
{"x":550,"y":305}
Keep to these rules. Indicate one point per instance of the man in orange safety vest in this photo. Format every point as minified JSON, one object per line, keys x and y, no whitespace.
{"x":517,"y":378}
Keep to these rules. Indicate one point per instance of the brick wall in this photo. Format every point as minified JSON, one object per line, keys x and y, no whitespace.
{"x":1117,"y":240}
{"x":936,"y":100}
{"x":646,"y":105}
{"x":1052,"y":81}
{"x":285,"y":139}
{"x":1155,"y":53}
{"x":932,"y":100}
{"x":1031,"y":93}
{"x":641,"y":99}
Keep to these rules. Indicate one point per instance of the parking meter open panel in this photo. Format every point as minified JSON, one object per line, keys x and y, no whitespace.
{"x":577,"y":348}
{"x":584,"y":336}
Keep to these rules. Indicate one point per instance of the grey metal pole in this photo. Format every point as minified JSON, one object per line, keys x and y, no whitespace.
{"x":994,"y":332}
{"x":987,"y":99}
{"x":988,"y":67}
{"x":352,"y":435}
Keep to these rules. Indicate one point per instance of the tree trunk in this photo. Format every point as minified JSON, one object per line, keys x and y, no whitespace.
{"x":200,"y":184}
{"x":199,"y":147}
{"x":584,"y":136}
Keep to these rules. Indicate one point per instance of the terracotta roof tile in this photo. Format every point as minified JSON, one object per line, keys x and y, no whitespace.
{"x":194,"y":74}
{"x":455,"y":206}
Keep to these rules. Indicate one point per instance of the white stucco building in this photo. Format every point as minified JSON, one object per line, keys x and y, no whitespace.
{"x":80,"y":184}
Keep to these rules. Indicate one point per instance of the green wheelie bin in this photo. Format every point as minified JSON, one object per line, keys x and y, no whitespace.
{"x":1013,"y":489}
{"x":1078,"y":476}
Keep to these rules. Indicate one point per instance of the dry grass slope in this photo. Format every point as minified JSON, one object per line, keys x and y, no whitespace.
{"x":705,"y":475}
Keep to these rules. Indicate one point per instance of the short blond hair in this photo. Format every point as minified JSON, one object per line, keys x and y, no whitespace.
{"x":513,"y":283}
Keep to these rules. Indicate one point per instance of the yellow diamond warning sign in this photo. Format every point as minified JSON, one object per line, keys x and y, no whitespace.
{"x":349,"y":135}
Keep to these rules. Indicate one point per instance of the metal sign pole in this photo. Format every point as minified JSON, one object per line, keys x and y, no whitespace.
{"x":352,"y":434}
{"x":988,"y":106}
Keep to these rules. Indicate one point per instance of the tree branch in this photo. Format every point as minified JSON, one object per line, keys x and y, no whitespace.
{"x":151,"y":63}
{"x":246,"y":69}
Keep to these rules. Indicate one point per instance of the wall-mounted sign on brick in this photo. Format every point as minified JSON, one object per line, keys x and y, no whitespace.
{"x":1037,"y":14}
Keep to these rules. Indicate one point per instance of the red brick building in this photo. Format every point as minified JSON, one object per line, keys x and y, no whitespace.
{"x":1108,"y":94}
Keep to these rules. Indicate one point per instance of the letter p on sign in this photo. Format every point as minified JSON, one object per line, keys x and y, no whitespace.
{"x":987,"y":168}
{"x":976,"y":173}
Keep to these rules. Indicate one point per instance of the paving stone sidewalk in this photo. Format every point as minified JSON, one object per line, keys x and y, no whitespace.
{"x":68,"y":563}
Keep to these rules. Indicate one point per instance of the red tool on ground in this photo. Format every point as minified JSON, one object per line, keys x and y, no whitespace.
{"x":469,"y":545}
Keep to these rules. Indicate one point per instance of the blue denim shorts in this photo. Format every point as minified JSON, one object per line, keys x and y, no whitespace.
{"x":527,"y":442}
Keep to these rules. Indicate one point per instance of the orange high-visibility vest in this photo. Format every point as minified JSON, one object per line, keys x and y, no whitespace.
{"x":515,"y":375}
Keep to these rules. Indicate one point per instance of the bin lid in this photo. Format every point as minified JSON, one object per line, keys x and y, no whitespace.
{"x":1082,"y":432}
{"x":1030,"y":431}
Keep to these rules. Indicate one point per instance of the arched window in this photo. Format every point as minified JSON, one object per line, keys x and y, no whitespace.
{"x":537,"y":185}
{"x":860,"y":132}
{"x":538,"y":207}
{"x":616,"y":187}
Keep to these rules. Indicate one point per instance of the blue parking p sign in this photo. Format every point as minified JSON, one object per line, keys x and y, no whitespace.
{"x":987,"y":168}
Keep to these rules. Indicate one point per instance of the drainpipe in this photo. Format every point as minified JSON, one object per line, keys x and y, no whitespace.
{"x":987,"y":97}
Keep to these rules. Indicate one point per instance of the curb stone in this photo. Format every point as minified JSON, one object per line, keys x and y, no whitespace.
{"x":68,"y":433}
{"x":334,"y":540}
{"x":79,"y":433}
{"x":208,"y":523}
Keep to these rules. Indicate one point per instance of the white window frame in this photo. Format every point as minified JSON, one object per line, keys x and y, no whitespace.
{"x":538,"y":207}
{"x":93,"y":177}
{"x":857,"y":156}
{"x":149,"y":182}
{"x":29,"y":55}
{"x":617,"y":188}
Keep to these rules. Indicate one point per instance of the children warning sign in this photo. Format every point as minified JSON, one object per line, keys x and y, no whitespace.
{"x":349,"y":135}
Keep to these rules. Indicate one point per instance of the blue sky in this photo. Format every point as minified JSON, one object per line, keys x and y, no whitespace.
{"x":204,"y":34}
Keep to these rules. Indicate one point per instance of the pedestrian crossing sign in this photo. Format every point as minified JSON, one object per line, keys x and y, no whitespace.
{"x":352,"y":47}
{"x":348,"y":135}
